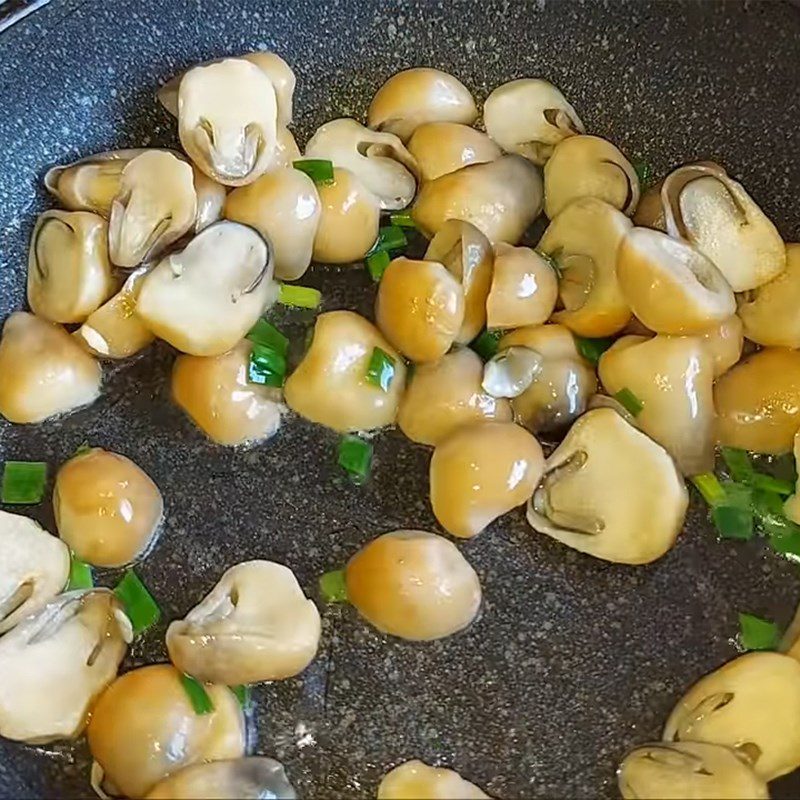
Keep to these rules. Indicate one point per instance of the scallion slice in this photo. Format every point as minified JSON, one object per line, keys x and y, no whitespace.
{"x":592,"y":349}
{"x":355,"y":456}
{"x":390,"y":237}
{"x":320,"y":170}
{"x":243,"y":694}
{"x":733,"y":522}
{"x":628,"y":400}
{"x":299,"y":296}
{"x":197,"y":694}
{"x":80,"y":574}
{"x":756,"y":633}
{"x":267,"y":335}
{"x":377,"y":263}
{"x":267,"y":366}
{"x":23,"y":482}
{"x":402,"y":219}
{"x":766,"y":483}
{"x":738,"y":464}
{"x":83,"y":447}
{"x":381,"y":368}
{"x":485,"y":344}
{"x":784,"y":539}
{"x":333,"y":586}
{"x":141,"y":608}
{"x":644,"y":172}
{"x":710,"y":488}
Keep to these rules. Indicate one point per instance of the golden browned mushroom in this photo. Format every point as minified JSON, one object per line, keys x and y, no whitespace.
{"x":672,"y":378}
{"x":348,"y":224}
{"x":791,"y":508}
{"x":144,"y":728}
{"x":215,"y":393}
{"x":284,"y":207}
{"x":530,"y":116}
{"x":650,"y":211}
{"x":750,"y":704}
{"x":45,"y":371}
{"x":419,"y":308}
{"x":584,"y":240}
{"x":443,"y":147}
{"x":758,"y":402}
{"x":790,"y":641}
{"x":415,"y":780}
{"x":107,"y":509}
{"x":500,"y":198}
{"x":255,"y":625}
{"x":524,"y":288}
{"x":703,"y":205}
{"x":413,"y":584}
{"x":724,"y":344}
{"x":69,"y":274}
{"x":415,"y":96}
{"x":585,"y":499}
{"x":588,"y":166}
{"x":330,"y":384}
{"x":480,"y":472}
{"x":670,"y":285}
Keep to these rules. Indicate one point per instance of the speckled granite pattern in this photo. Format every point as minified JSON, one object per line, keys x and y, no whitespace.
{"x":572,"y":661}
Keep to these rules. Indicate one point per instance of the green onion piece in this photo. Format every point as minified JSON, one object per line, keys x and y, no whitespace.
{"x":626,"y":398}
{"x":267,"y":367}
{"x":552,"y":260}
{"x":333,"y":586}
{"x":402,"y":219}
{"x":242,"y":692}
{"x":268,"y":335}
{"x":738,"y":495}
{"x":380,"y":371}
{"x":738,"y":464}
{"x":485,"y":344}
{"x":23,"y":482}
{"x":299,"y":296}
{"x":355,"y":455}
{"x":592,"y":349}
{"x":766,"y":483}
{"x":377,"y":263}
{"x":80,"y":574}
{"x":320,"y":170}
{"x":644,"y":172}
{"x":709,"y":487}
{"x":757,"y":634}
{"x":390,"y":237}
{"x":733,"y":522}
{"x":139,"y":605}
{"x":197,"y":694}
{"x":83,"y":447}
{"x":784,"y":539}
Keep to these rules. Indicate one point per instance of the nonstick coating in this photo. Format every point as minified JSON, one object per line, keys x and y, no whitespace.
{"x":573,"y":660}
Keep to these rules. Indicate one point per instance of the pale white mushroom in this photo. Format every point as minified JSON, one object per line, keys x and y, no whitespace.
{"x":255,"y":625}
{"x":751,"y":704}
{"x":34,"y":567}
{"x":511,"y":371}
{"x":585,"y":499}
{"x":210,"y":199}
{"x":530,"y":116}
{"x":677,"y":770}
{"x":703,"y":205}
{"x":205,"y":298}
{"x":415,"y":779}
{"x":415,"y":96}
{"x":379,"y":160}
{"x":69,"y":272}
{"x":724,"y":342}
{"x":443,"y":147}
{"x":56,"y":663}
{"x":45,"y":371}
{"x":500,"y":198}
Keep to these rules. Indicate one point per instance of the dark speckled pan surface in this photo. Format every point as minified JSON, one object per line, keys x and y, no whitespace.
{"x":572,"y":660}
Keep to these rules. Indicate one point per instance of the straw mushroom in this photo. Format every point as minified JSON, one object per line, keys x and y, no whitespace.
{"x":791,"y":509}
{"x":416,"y":779}
{"x":444,"y":147}
{"x":210,"y":199}
{"x":511,"y":371}
{"x":650,"y":211}
{"x":723,"y":342}
{"x":610,"y":491}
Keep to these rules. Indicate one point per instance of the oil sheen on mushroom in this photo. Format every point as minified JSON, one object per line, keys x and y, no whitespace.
{"x":444,"y":147}
{"x":724,"y":342}
{"x":415,"y":779}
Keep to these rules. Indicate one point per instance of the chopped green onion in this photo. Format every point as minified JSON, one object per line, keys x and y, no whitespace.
{"x":709,"y":487}
{"x":737,"y":494}
{"x":592,"y":349}
{"x":267,"y":367}
{"x":380,"y":371}
{"x":390,"y":237}
{"x":299,"y":296}
{"x":141,"y":608}
{"x":485,"y":345}
{"x":320,"y":170}
{"x":242,"y":692}
{"x":784,"y":539}
{"x":733,"y":522}
{"x":738,"y":463}
{"x":333,"y":587}
{"x":626,"y":398}
{"x":80,"y":574}
{"x":377,"y":263}
{"x":766,"y":483}
{"x":402,"y":219}
{"x":757,"y":634}
{"x":83,"y":447}
{"x":552,"y":260}
{"x":197,"y":694}
{"x":644,"y":172}
{"x":23,"y":482}
{"x":355,"y":455}
{"x":268,"y":335}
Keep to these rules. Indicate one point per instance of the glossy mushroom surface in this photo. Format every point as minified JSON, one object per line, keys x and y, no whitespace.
{"x":724,"y":342}
{"x":791,"y":510}
{"x":415,"y":780}
{"x":444,"y":147}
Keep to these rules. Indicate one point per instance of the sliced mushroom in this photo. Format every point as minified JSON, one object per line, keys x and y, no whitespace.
{"x":419,"y":308}
{"x":758,"y":402}
{"x":255,"y":625}
{"x":107,"y":509}
{"x":216,"y":394}
{"x":416,"y":96}
{"x":675,"y":771}
{"x":709,"y":209}
{"x":69,"y":274}
{"x":588,"y":166}
{"x":750,"y":704}
{"x":524,"y":288}
{"x":414,"y":779}
{"x":724,"y":344}
{"x":480,"y":472}
{"x":672,"y":377}
{"x":348,"y":224}
{"x":45,"y":371}
{"x":250,"y":778}
{"x":114,"y":330}
{"x":585,"y":499}
{"x":511,"y":371}
{"x":468,"y":255}
{"x":530,"y":116}
{"x":584,"y":240}
{"x":444,"y":147}
{"x":284,"y":207}
{"x":205,"y":298}
{"x":562,"y":385}
{"x":501,"y":199}
{"x":228,"y":120}
{"x":144,"y":728}
{"x":670,"y":285}
{"x":56,"y":662}
{"x":330,"y":384}
{"x":210,"y":199}
{"x":413,"y":584}
{"x":34,"y":567}
{"x":379,"y":160}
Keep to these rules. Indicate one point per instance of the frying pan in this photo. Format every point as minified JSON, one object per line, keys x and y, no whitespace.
{"x":572,"y":660}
